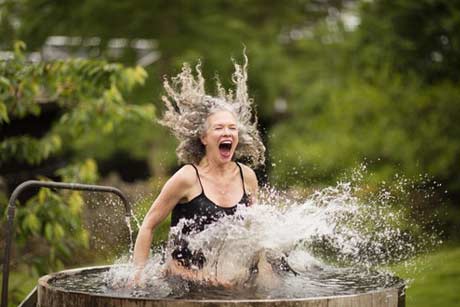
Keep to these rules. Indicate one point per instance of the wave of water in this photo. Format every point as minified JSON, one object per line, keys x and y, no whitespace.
{"x":328,"y":243}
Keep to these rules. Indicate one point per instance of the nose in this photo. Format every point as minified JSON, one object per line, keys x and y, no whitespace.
{"x":227,"y":131}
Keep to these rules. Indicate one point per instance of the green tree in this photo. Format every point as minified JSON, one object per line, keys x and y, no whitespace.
{"x":90,"y":95}
{"x":379,"y":94}
{"x":419,"y":37}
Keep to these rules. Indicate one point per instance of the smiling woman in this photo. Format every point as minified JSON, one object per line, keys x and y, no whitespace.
{"x":214,"y":132}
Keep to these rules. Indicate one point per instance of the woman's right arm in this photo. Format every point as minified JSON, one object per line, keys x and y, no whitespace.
{"x":175,"y":189}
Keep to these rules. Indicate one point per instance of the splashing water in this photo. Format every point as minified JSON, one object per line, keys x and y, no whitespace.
{"x":128,"y":221}
{"x":332,"y":227}
{"x":333,"y":242}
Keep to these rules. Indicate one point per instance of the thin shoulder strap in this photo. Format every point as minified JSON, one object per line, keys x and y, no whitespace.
{"x":242,"y":177}
{"x":198,"y":175}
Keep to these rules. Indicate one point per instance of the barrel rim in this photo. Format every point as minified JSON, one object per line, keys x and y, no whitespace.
{"x":43,"y":282}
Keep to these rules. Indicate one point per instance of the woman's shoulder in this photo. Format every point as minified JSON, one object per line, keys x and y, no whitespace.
{"x":248,"y":172}
{"x":185,"y":176}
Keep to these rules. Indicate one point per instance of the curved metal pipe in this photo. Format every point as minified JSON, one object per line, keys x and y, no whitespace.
{"x":52,"y":185}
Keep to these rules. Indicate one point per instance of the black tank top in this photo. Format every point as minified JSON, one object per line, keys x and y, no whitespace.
{"x":200,"y":211}
{"x":203,"y":211}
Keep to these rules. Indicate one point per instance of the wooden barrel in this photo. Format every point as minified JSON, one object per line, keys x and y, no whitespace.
{"x":51,"y":296}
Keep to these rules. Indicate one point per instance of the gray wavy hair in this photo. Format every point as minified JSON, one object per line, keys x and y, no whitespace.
{"x":188,"y":107}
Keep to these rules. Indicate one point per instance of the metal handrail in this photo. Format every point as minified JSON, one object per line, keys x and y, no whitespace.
{"x":44,"y":184}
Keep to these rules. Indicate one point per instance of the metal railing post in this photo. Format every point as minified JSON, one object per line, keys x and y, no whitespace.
{"x":52,"y":185}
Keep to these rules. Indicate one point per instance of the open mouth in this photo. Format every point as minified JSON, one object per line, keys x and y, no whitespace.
{"x":225,"y":148}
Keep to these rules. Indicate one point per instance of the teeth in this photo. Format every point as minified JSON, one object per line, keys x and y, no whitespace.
{"x":226,"y":142}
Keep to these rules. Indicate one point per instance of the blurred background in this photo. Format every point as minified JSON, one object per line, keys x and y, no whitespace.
{"x":338,"y":86}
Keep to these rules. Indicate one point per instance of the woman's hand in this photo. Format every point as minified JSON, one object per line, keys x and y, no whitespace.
{"x":136,"y":280}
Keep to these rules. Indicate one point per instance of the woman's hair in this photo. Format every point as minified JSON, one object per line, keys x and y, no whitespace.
{"x":188,"y":107}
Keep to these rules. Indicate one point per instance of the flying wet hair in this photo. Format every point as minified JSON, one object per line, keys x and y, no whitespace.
{"x":188,"y":107}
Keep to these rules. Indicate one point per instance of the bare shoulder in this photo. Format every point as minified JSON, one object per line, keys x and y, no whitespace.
{"x":185,"y":176}
{"x":181,"y":185}
{"x":249,"y":175}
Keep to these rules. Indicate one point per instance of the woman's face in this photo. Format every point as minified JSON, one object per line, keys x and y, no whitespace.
{"x":221,"y":136}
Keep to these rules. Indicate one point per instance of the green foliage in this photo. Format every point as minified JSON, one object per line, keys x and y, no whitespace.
{"x":45,"y":220}
{"x":433,"y":279}
{"x":91,"y":97}
{"x":84,"y":171}
{"x":416,"y":135}
{"x":313,"y":62}
{"x":385,"y":92}
{"x":419,"y":37}
{"x":21,"y":282}
{"x":363,"y":99}
{"x":89,"y":92}
{"x":28,"y":149}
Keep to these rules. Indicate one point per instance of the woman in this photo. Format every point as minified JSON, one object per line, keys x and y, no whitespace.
{"x":213,"y":132}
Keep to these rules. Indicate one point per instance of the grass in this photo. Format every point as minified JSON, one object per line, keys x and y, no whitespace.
{"x":434,"y":279}
{"x":20,"y":285}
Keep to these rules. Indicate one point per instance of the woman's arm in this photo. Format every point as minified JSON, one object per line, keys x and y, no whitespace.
{"x":176,"y":188}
